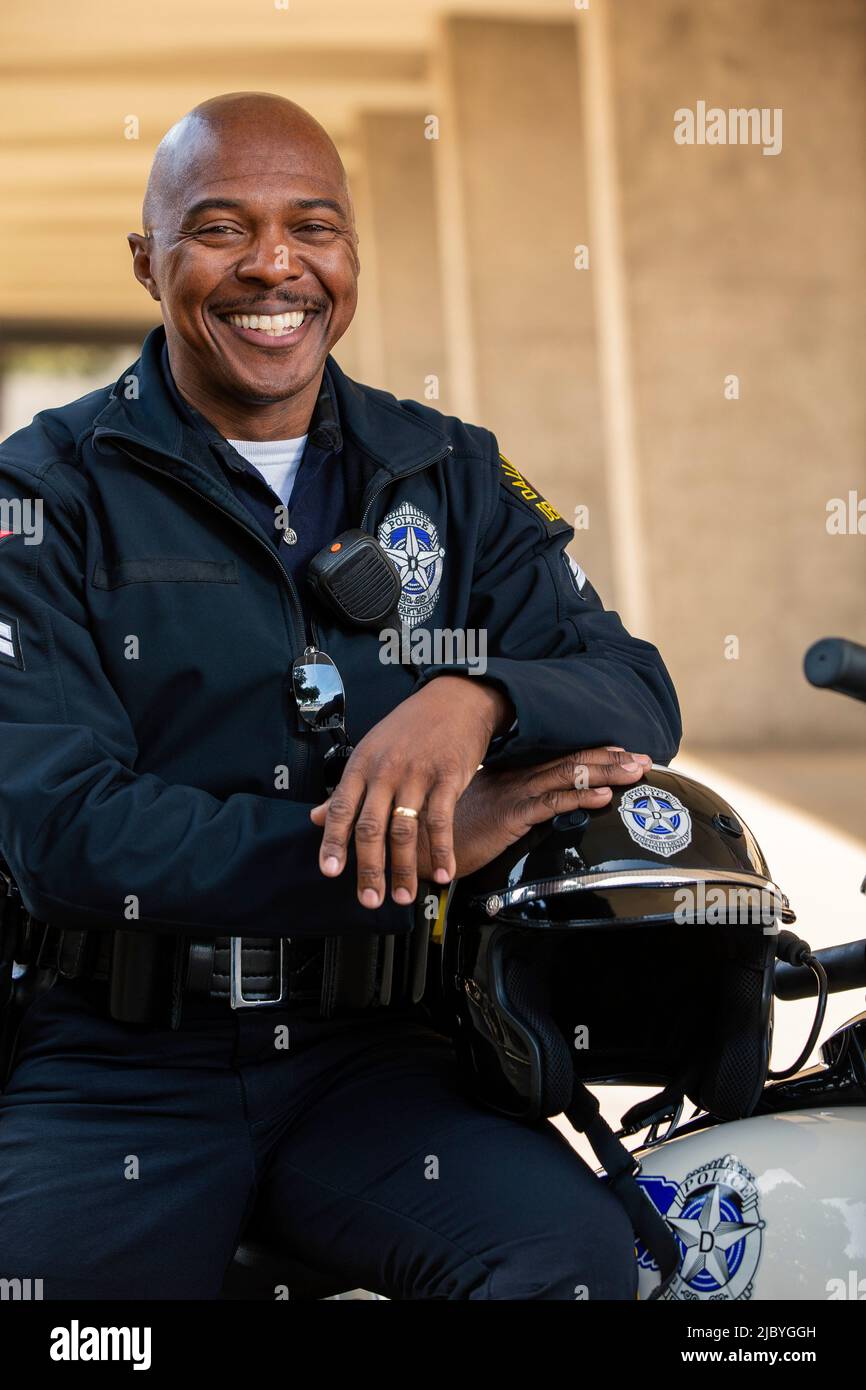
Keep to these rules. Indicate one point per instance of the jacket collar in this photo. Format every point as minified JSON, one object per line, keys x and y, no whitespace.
{"x":141,"y":410}
{"x":396,"y":439}
{"x":324,"y":428}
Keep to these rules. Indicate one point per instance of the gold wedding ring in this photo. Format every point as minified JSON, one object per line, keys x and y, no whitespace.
{"x":405,"y":811}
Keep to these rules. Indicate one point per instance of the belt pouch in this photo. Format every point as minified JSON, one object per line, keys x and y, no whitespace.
{"x":356,"y":972}
{"x":134,"y":976}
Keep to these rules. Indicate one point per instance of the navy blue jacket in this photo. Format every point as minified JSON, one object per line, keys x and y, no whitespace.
{"x":153,"y":768}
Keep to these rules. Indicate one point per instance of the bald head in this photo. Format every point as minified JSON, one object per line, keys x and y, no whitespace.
{"x":245,"y":127}
{"x":250,"y":247}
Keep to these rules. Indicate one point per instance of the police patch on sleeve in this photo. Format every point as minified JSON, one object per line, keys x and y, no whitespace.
{"x":10,"y":642}
{"x":411,"y":540}
{"x":576,"y":575}
{"x":520,"y":487}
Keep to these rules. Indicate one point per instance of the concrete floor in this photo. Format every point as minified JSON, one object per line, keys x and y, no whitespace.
{"x":830,"y":785}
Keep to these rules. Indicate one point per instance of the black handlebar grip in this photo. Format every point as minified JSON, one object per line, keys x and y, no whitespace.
{"x":845,"y":967}
{"x":837,"y":664}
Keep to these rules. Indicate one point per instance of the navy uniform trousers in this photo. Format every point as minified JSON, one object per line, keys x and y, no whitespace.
{"x":132,"y":1159}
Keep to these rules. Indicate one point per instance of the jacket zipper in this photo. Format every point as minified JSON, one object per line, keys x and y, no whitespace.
{"x":428,"y":463}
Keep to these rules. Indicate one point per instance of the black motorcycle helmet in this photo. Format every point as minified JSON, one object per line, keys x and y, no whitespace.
{"x":633,"y":944}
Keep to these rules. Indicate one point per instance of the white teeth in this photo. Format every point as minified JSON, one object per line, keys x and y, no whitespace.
{"x":275,"y":325}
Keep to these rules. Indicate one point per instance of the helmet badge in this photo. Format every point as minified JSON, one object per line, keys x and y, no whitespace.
{"x":656,"y":820}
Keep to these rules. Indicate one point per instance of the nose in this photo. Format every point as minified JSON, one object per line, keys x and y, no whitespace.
{"x":271,"y":259}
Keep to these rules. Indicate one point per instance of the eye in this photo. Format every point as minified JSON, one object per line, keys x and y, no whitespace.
{"x":316,"y":227}
{"x":216,"y":231}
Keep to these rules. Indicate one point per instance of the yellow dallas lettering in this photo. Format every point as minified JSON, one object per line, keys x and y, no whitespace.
{"x":526,"y":490}
{"x":549,"y":511}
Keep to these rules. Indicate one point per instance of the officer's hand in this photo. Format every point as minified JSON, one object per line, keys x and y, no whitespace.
{"x":422,"y":755}
{"x":498,"y":807}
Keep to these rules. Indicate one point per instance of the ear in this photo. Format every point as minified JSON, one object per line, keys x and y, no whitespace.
{"x":141,"y":246}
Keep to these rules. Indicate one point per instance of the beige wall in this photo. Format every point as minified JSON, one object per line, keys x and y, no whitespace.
{"x":742,"y":263}
{"x":407,"y":297}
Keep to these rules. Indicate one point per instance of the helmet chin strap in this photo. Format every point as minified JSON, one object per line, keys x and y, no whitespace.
{"x":528,"y":985}
{"x":622,"y":1167}
{"x":664,"y":1105}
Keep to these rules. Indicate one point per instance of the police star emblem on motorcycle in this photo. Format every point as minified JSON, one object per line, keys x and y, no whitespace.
{"x":656,"y":820}
{"x":718,"y":1227}
{"x":411,"y":540}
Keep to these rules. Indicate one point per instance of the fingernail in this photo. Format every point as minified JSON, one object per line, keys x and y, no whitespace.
{"x":402,"y":895}
{"x":331,"y":864}
{"x":370,"y":898}
{"x":441,"y":876}
{"x":614,"y":748}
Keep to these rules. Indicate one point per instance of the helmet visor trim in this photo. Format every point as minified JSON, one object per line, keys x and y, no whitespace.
{"x":494,"y":903}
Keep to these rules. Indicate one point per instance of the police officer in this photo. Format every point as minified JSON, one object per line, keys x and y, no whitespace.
{"x":235,"y":1039}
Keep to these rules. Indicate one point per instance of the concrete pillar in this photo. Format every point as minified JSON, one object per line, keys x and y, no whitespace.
{"x":511,"y":139}
{"x":749,"y":266}
{"x":402,"y":225}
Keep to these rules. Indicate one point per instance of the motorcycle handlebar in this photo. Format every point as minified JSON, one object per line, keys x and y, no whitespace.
{"x":845,"y":967}
{"x":834,"y":663}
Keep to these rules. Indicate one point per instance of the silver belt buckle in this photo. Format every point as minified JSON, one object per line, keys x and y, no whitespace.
{"x":237,"y":998}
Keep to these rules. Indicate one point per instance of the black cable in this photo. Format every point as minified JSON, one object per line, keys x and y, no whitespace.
{"x":807,"y":958}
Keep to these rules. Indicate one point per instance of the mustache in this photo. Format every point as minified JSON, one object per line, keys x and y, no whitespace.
{"x":252,"y":306}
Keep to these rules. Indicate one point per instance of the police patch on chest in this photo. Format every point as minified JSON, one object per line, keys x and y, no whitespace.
{"x":411,"y":540}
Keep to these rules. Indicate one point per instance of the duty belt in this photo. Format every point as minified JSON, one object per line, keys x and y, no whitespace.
{"x":253,"y":971}
{"x":247,"y":972}
{"x":148,"y":975}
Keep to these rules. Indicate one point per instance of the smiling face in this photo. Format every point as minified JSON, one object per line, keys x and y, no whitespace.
{"x":250,"y":248}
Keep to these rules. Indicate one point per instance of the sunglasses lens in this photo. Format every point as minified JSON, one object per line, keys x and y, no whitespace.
{"x":319,"y":692}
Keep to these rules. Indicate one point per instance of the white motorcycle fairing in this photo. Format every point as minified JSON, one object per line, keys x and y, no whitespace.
{"x":771,"y":1207}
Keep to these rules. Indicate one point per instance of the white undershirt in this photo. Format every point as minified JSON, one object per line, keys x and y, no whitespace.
{"x":278,"y":461}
